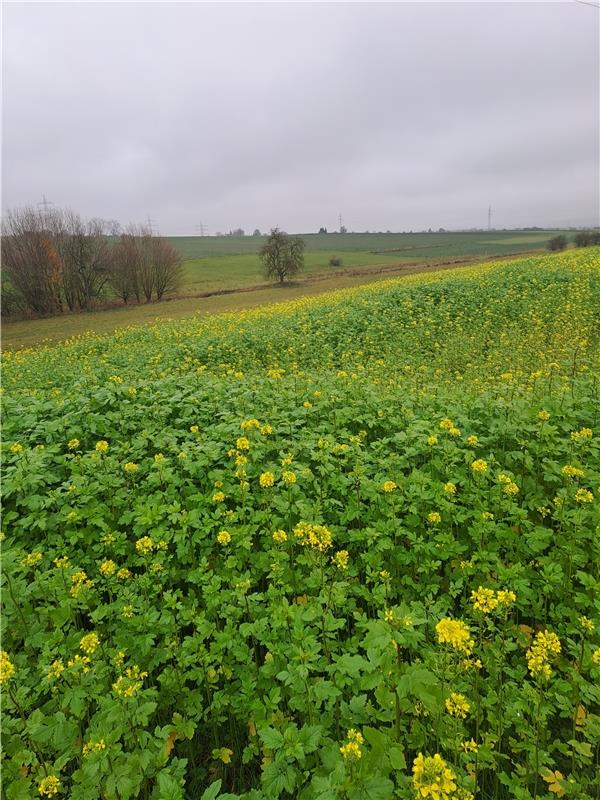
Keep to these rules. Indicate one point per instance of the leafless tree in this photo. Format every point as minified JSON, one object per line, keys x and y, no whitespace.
{"x":31,"y":259}
{"x":85,"y":253}
{"x":167,"y":267}
{"x":124,"y":277}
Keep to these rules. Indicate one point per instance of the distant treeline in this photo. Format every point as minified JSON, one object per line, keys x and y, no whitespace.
{"x":55,"y":261}
{"x":581,"y":239}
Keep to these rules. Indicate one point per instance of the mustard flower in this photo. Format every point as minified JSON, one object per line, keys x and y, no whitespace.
{"x":266,"y":479}
{"x":223,"y":537}
{"x":145,"y":545}
{"x":102,"y":446}
{"x":280,"y":536}
{"x":389,"y":486}
{"x":108,"y":568}
{"x":480,"y":465}
{"x":73,"y":444}
{"x":455,"y":633}
{"x":583,"y":496}
{"x":340,"y":559}
{"x":434,"y":518}
{"x":457,"y":705}
{"x":49,"y":786}
{"x":7,"y":669}
{"x":432,"y":778}
{"x":89,"y":643}
{"x":288,"y":476}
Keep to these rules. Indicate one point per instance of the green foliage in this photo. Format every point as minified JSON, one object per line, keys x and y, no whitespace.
{"x":424,"y":424}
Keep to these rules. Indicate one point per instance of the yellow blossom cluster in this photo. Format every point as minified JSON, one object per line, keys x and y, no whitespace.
{"x":545,"y":647}
{"x":456,"y":634}
{"x":108,"y":568}
{"x":129,"y":684}
{"x":7,"y":669}
{"x":89,"y":643}
{"x":570,"y":471}
{"x":316,"y":536}
{"x":266,"y":480}
{"x":31,"y":559}
{"x":457,"y":705}
{"x":480,"y":465}
{"x":581,"y":435}
{"x":583,"y":496}
{"x":223,"y":538}
{"x":145,"y":545}
{"x":432,"y":778}
{"x":351,"y":749}
{"x":102,"y":446}
{"x":94,"y":746}
{"x":80,"y":582}
{"x":340,"y":559}
{"x":49,"y":786}
{"x":389,"y":486}
{"x":508,"y":485}
{"x":487,"y":600}
{"x":280,"y":536}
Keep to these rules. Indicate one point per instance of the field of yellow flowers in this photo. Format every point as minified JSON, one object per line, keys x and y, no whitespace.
{"x":345,"y":548}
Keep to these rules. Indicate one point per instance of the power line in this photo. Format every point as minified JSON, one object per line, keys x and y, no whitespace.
{"x":45,"y":203}
{"x":201,"y":229}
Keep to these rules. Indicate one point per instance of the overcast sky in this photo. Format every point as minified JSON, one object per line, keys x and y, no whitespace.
{"x":398,"y":116}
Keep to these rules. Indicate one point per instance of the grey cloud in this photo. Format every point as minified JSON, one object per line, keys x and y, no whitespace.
{"x":398,"y":115}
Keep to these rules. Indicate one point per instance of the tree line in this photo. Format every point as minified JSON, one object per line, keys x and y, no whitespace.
{"x":581,"y":239}
{"x":54,"y":261}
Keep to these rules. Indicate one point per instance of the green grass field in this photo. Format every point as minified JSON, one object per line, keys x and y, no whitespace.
{"x":228,"y":263}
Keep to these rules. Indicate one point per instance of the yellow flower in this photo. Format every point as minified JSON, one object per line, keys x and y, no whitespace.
{"x":484,"y":600}
{"x":89,"y":643}
{"x":248,"y":424}
{"x":129,"y":684}
{"x":454,"y":432}
{"x":432,"y":778}
{"x":73,"y":444}
{"x":218,"y":497}
{"x":586,"y":624}
{"x":102,"y":446}
{"x":457,"y":705}
{"x":266,"y":430}
{"x":583,"y":496}
{"x":384,"y":575}
{"x":242,"y":443}
{"x":569,"y":471}
{"x":266,"y":479}
{"x":316,"y":536}
{"x":145,"y":545}
{"x":455,"y":633}
{"x":546,"y":646}
{"x":194,"y":429}
{"x":389,"y":486}
{"x":49,"y":786}
{"x":486,"y":516}
{"x":472,"y":441}
{"x":61,"y":562}
{"x":596,"y":657}
{"x":450,"y":488}
{"x":307,"y":404}
{"x":79,"y":661}
{"x":56,"y":669}
{"x":340,"y":559}
{"x":480,"y":465}
{"x":127,"y":611}
{"x":159,"y":459}
{"x":543,"y":415}
{"x":470,"y":746}
{"x":108,"y":568}
{"x":7,"y":669}
{"x":16,"y":447}
{"x":446,"y":424}
{"x":431,"y":440}
{"x":31,"y":559}
{"x":223,"y":754}
{"x":351,"y":750}
{"x":123,"y":574}
{"x":131,"y":467}
{"x":280,"y":537}
{"x":505,"y":597}
{"x":94,"y":746}
{"x":584,"y":433}
{"x":224,"y":537}
{"x":434,"y":518}
{"x":289,"y":476}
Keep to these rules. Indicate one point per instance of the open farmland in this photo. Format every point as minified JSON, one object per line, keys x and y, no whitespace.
{"x":225,"y":274}
{"x":342,"y":547}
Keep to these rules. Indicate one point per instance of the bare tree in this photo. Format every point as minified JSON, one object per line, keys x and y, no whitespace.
{"x":123,"y":276}
{"x":85,"y":253}
{"x":282,"y":255}
{"x":167,"y":266}
{"x":31,"y":258}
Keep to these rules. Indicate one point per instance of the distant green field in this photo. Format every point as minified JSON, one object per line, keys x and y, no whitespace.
{"x":227,"y":263}
{"x":428,"y":244}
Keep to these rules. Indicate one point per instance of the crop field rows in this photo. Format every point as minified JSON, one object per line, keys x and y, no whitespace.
{"x":341,"y":548}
